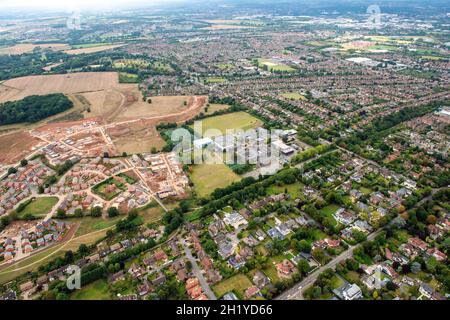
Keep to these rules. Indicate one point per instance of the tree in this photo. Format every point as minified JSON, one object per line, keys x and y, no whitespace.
{"x":113,"y":212}
{"x":61,"y":214}
{"x":23,"y":162}
{"x":96,"y":211}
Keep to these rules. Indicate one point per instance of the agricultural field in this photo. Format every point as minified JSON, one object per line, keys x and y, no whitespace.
{"x":39,"y":207}
{"x":236,"y":121}
{"x":91,"y":48}
{"x":29,"y":47}
{"x":19,"y":88}
{"x":208,"y":177}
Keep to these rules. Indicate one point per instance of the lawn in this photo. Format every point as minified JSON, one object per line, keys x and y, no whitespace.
{"x":39,"y":207}
{"x":292,"y":96}
{"x":231,"y":121}
{"x":209,"y":177}
{"x":97,"y":290}
{"x":330,"y":210}
{"x":238,"y":283}
{"x":294,"y":190}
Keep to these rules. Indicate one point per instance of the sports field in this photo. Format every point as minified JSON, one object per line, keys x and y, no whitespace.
{"x":219,"y":124}
{"x":39,"y":207}
{"x":208,"y":177}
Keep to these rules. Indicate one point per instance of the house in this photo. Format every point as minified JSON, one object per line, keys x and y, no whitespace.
{"x":251,"y":292}
{"x":285,"y":269}
{"x":159,"y":280}
{"x":438,"y":255}
{"x":260,"y":279}
{"x":351,"y":292}
{"x":235,"y":220}
{"x":26,"y":286}
{"x":426,"y":290}
{"x":119,"y":276}
{"x":229,"y":296}
{"x":160,"y":255}
{"x":418,"y":243}
{"x":344,"y":217}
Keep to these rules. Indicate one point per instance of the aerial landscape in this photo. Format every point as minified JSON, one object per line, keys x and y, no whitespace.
{"x":225,"y":150}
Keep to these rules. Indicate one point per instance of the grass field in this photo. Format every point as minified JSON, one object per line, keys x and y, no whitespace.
{"x":39,"y":207}
{"x":90,"y":224}
{"x":11,"y":272}
{"x":213,"y":107}
{"x":293,"y":189}
{"x":97,"y":290}
{"x":208,"y":177}
{"x":236,"y":121}
{"x":91,"y":48}
{"x":128,"y":78}
{"x":238,"y":283}
{"x":274,"y":66}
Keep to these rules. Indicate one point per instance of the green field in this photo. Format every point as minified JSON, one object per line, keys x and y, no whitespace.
{"x":293,"y":189}
{"x":236,"y":120}
{"x":90,"y":45}
{"x":97,"y":290}
{"x":238,"y":283}
{"x":128,"y":77}
{"x":91,"y":224}
{"x":214,"y":80}
{"x":208,"y":177}
{"x":274,"y":66}
{"x":39,"y":207}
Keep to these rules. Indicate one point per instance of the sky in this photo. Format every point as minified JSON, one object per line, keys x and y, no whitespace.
{"x":62,"y":4}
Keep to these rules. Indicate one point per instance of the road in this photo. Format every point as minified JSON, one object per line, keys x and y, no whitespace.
{"x":295,"y":293}
{"x":197,"y":272}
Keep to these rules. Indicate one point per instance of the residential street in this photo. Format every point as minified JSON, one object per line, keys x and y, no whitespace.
{"x":197,"y":272}
{"x":295,"y":293}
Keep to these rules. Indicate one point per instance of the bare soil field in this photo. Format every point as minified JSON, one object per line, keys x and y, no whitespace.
{"x":15,"y":146}
{"x":135,"y":138}
{"x":93,"y":49}
{"x":28,"y":47}
{"x":159,"y":106}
